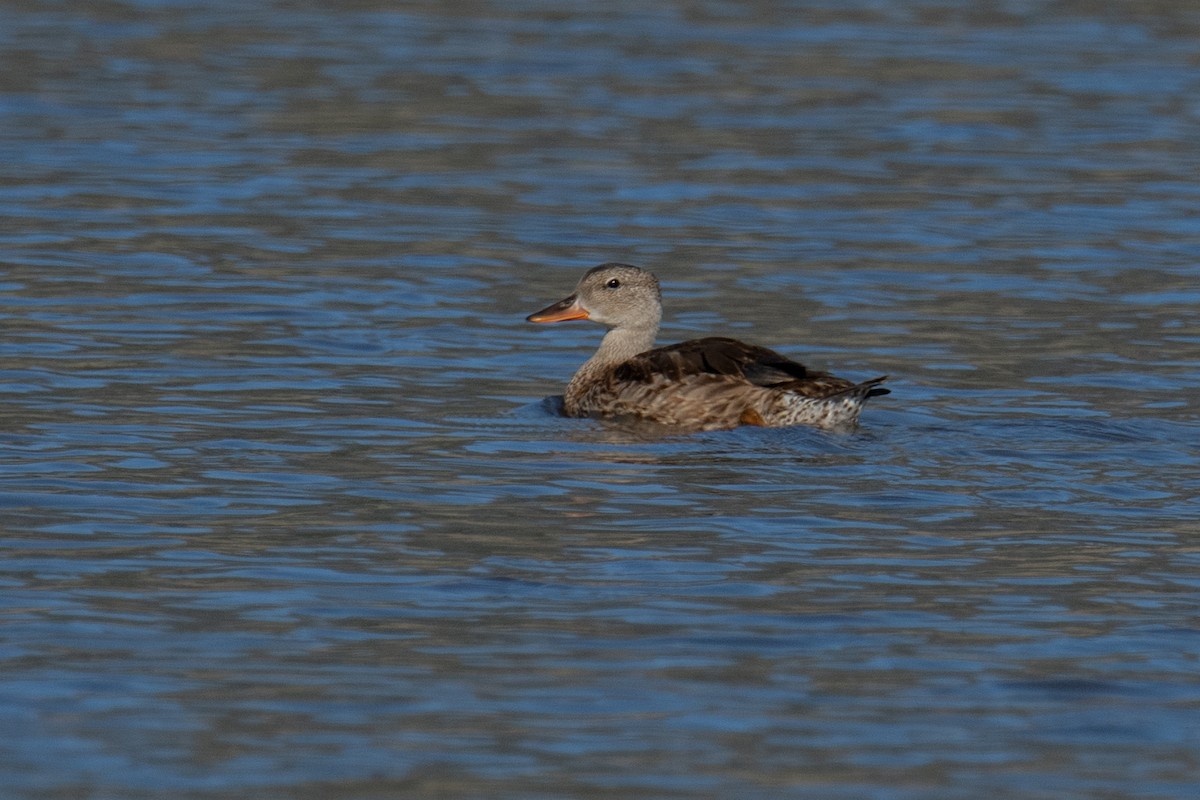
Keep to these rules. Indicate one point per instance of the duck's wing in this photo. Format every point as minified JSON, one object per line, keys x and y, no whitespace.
{"x":729,"y":359}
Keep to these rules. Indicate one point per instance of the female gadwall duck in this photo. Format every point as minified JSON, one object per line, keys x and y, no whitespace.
{"x":701,"y":384}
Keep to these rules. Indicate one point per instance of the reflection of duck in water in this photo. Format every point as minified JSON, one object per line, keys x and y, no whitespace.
{"x":701,"y":384}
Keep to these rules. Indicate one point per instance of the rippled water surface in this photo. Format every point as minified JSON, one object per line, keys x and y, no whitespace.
{"x":285,"y":511}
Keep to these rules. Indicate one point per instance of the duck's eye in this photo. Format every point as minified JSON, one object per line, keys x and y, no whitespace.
{"x":614,"y":284}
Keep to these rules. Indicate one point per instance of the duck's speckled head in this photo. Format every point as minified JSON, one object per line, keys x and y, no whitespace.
{"x":615,"y":295}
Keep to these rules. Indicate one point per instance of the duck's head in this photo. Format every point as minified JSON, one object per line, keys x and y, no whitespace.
{"x":615,"y":295}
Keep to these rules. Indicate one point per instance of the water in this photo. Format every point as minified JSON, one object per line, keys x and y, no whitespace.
{"x":285,"y":513}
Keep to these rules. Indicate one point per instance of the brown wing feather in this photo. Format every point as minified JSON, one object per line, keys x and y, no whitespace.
{"x":721,"y":356}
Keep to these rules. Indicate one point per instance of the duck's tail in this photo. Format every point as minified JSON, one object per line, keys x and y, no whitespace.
{"x":873,"y":389}
{"x":835,"y":410}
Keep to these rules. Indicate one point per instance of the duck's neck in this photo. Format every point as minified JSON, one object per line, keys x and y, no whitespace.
{"x":622,"y":344}
{"x":618,"y":346}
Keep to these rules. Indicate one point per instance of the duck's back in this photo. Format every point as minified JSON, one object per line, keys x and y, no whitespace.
{"x":716,"y":383}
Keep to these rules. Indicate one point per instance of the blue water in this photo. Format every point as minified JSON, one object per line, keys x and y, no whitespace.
{"x":286,"y":511}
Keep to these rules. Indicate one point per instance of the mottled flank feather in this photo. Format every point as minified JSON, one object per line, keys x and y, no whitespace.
{"x":702,"y":384}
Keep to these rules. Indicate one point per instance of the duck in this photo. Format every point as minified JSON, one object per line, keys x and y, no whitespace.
{"x":714,"y":383}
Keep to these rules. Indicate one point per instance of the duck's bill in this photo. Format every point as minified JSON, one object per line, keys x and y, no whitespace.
{"x":563,"y":310}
